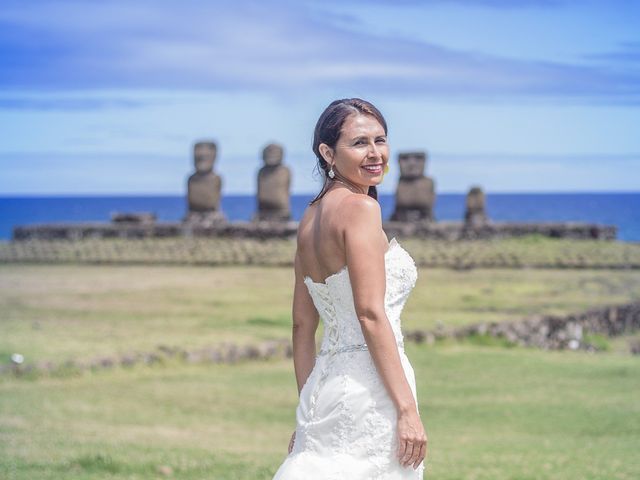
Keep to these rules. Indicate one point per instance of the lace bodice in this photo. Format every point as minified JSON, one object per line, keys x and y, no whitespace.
{"x":333,"y":299}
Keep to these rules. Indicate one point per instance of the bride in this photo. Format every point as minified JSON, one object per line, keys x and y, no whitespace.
{"x":357,"y":416}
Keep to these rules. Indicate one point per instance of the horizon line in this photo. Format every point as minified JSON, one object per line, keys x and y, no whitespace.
{"x":244,"y":194}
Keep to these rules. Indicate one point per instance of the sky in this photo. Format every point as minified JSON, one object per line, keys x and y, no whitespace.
{"x":108,"y":97}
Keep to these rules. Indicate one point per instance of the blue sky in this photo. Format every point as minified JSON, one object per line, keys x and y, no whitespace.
{"x":109,"y":96}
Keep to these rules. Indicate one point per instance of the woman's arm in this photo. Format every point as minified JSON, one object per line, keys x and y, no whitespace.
{"x":365,"y":250}
{"x":305,"y":323}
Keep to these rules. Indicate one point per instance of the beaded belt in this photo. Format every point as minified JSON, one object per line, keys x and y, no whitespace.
{"x":354,"y":348}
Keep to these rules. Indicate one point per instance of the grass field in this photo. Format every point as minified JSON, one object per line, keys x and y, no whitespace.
{"x":57,"y":312}
{"x":491,"y":412}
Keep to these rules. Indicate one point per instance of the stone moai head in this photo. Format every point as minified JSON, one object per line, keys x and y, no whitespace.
{"x":204,"y":156}
{"x":272,"y":155}
{"x":412,"y":164}
{"x":475,"y":213}
{"x":475,"y":198}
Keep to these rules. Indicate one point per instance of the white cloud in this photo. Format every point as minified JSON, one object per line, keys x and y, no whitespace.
{"x":274,"y":47}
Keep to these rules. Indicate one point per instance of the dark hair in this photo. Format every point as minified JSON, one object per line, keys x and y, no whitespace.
{"x":329,"y":128}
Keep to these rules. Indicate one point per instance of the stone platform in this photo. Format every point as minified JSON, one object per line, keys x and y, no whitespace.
{"x":443,"y":230}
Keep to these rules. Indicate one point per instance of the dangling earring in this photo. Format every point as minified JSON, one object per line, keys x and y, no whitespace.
{"x":386,"y":168}
{"x":331,"y":172}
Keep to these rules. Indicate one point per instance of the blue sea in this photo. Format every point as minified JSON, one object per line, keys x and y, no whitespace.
{"x":620,"y":209}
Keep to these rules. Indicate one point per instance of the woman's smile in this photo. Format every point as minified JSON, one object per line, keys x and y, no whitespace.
{"x":374,"y":169}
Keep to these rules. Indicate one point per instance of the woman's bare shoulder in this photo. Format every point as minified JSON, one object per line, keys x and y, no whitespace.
{"x":360,"y":217}
{"x":359,"y":206}
{"x":353,"y":212}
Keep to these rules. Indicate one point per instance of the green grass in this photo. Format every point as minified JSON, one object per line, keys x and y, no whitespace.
{"x":57,"y":312}
{"x":491,"y":410}
{"x":490,"y":413}
{"x":601,"y":342}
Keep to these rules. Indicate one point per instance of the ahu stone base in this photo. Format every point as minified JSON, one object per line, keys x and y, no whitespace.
{"x":444,"y":230}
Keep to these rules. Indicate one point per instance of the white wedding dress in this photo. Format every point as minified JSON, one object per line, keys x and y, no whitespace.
{"x":345,"y":419}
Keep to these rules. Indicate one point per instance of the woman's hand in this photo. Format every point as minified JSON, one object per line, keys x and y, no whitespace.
{"x":412,"y":439}
{"x":291,"y":442}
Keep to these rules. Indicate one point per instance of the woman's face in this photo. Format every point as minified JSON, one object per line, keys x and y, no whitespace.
{"x":361,"y":153}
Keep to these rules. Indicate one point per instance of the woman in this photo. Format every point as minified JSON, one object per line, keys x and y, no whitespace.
{"x":357,"y":416}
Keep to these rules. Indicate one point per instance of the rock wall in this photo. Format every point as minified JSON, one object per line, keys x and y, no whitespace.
{"x":288,"y":229}
{"x":549,"y":332}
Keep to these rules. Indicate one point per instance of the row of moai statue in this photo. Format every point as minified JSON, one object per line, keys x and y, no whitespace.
{"x":204,"y":187}
{"x":414,"y":202}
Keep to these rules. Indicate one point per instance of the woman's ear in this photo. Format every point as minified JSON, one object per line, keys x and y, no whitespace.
{"x":326,"y":152}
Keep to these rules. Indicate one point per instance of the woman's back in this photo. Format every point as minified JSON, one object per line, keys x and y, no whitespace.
{"x":321,"y":232}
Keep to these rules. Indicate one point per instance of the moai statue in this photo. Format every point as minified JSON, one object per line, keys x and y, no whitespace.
{"x":274,"y":181}
{"x":204,"y":188}
{"x":415,"y":196}
{"x":475,"y":209}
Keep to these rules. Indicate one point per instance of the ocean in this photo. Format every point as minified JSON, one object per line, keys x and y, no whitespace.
{"x":620,"y":209}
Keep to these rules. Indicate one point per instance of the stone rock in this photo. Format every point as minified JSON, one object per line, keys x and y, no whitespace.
{"x":128,"y":360}
{"x":415,"y":193}
{"x":550,"y":331}
{"x":475,"y":214}
{"x":204,"y":188}
{"x":140,"y":218}
{"x":274,"y":183}
{"x":165,"y":470}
